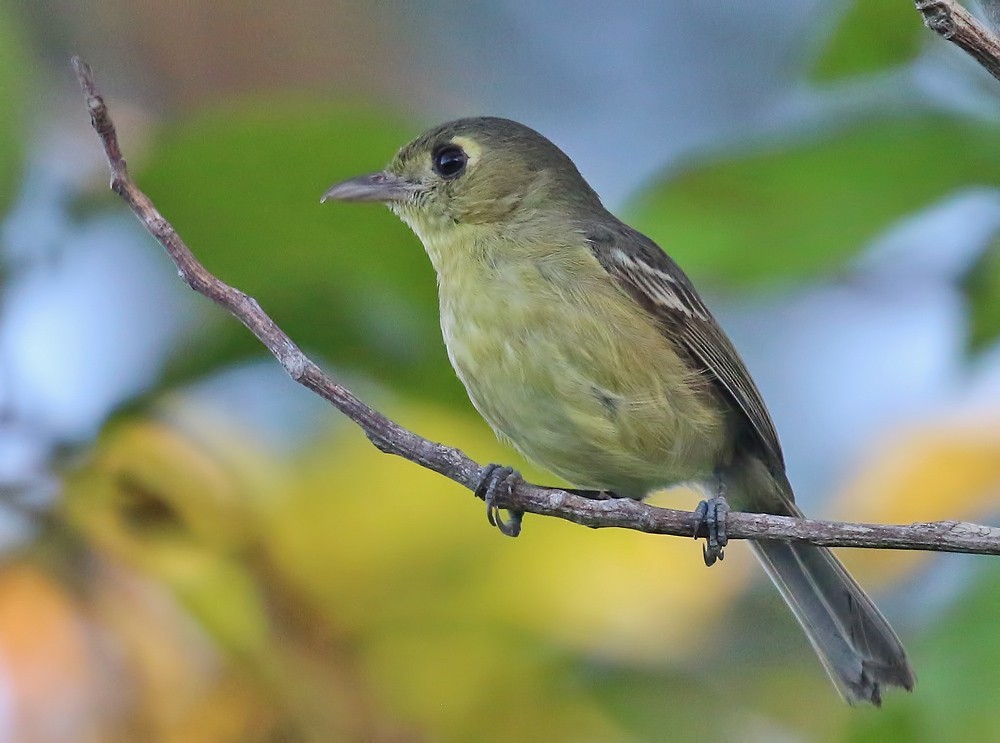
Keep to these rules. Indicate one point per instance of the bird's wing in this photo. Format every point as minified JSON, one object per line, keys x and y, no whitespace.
{"x":658,"y":284}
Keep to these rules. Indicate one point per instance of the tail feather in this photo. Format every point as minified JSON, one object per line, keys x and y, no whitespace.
{"x":853,"y":640}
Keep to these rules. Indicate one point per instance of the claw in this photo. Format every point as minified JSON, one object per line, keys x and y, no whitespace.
{"x":711,"y":514}
{"x":493,"y":478}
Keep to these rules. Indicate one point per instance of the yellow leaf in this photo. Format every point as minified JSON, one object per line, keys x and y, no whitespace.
{"x":944,"y":469}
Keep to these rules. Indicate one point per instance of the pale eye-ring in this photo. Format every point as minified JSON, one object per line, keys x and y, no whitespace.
{"x":449,"y":160}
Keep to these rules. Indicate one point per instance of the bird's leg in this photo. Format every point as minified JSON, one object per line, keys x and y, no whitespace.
{"x":493,"y":478}
{"x":711,"y":514}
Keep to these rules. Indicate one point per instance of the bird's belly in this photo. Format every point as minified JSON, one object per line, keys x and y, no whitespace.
{"x":602,"y":401}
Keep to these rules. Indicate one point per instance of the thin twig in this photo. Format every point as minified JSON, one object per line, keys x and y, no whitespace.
{"x":390,"y":437}
{"x":955,"y":24}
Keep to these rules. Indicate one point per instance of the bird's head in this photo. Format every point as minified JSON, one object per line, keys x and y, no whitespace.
{"x":480,"y":171}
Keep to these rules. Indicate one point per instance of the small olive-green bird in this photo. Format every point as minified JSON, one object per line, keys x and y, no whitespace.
{"x":584,"y":345}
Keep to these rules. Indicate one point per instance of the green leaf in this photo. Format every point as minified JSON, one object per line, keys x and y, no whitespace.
{"x":871,"y":36}
{"x":648,"y":703}
{"x":347,"y":281}
{"x":803,"y":209}
{"x":14,"y":76}
{"x":957,"y":681}
{"x":981,"y":286}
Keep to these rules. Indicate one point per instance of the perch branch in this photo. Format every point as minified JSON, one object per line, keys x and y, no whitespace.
{"x":390,"y":437}
{"x":954,"y":23}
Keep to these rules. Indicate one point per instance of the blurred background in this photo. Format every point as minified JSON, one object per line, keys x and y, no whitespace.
{"x":194,"y":548}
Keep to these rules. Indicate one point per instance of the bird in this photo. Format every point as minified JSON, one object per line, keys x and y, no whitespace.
{"x":586,"y":347}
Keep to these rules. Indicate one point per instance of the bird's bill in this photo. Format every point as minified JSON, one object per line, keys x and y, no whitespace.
{"x":382,"y":186}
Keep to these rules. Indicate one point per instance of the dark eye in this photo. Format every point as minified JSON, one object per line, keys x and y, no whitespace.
{"x":449,"y":160}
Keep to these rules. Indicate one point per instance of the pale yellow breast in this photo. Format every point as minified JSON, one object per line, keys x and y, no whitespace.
{"x":564,"y":364}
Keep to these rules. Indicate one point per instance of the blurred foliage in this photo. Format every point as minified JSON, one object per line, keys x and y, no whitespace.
{"x":981,"y":286}
{"x":316,"y":592}
{"x":161,"y":503}
{"x":958,"y":684}
{"x":802,"y":209}
{"x":870,"y":37}
{"x":941,"y":469}
{"x":15,"y":77}
{"x":350,"y":595}
{"x":350,"y":282}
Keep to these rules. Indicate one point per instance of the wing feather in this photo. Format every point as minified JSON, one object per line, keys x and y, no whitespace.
{"x":652,"y":278}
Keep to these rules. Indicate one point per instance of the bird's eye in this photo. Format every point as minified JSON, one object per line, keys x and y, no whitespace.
{"x":449,"y":160}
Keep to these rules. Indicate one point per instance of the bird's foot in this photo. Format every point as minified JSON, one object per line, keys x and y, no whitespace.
{"x":711,"y":514}
{"x":499,"y":479}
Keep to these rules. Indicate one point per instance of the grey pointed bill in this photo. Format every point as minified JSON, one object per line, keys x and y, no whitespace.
{"x":382,"y":186}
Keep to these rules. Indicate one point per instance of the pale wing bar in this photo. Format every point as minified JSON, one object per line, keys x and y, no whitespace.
{"x":652,"y":278}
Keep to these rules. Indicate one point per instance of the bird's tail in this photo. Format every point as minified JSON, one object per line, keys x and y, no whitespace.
{"x":853,"y":640}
